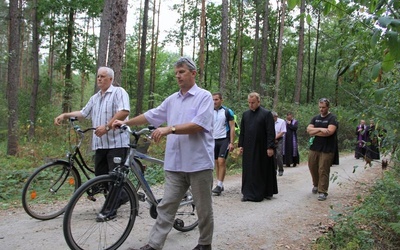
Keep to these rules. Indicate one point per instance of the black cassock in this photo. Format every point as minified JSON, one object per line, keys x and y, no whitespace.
{"x":257,"y":134}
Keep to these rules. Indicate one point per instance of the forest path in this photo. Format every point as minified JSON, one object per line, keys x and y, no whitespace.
{"x":291,"y":220}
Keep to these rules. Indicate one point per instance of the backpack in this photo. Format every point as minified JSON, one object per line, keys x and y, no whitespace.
{"x":237,"y":128}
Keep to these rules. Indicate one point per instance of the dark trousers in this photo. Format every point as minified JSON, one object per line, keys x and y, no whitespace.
{"x":104,"y":163}
{"x":104,"y":159}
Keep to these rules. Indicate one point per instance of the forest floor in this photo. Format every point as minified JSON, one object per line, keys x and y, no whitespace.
{"x":293,"y":219}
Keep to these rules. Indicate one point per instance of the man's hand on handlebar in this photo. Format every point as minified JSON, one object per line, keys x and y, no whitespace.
{"x":117,"y":124}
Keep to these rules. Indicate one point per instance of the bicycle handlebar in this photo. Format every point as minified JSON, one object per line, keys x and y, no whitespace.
{"x":77,"y":128}
{"x":150,"y":128}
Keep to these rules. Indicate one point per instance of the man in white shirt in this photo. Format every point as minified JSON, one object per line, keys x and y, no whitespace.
{"x":280,"y":130}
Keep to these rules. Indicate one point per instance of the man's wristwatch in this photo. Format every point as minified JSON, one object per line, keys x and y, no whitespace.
{"x":173,"y":129}
{"x":107,"y":127}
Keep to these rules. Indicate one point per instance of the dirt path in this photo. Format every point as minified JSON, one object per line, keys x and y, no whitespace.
{"x":291,"y":220}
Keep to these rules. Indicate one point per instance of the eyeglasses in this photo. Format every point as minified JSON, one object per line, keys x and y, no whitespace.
{"x":189,"y":62}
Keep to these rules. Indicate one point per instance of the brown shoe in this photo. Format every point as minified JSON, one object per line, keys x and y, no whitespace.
{"x":146,"y":247}
{"x":202,"y":247}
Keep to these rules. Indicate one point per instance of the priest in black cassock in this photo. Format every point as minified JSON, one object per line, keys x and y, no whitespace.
{"x":257,"y":144}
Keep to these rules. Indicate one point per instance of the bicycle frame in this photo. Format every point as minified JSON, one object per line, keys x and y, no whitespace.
{"x":133,"y":162}
{"x":76,"y":156}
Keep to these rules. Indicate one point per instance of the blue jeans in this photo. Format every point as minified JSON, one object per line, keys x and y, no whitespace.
{"x":175,"y":187}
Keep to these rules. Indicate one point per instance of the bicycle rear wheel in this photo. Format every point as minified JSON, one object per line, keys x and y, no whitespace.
{"x":186,"y":218}
{"x":48,"y":190}
{"x":82,"y":229}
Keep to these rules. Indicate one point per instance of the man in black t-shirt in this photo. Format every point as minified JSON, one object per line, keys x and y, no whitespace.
{"x":323,"y":129}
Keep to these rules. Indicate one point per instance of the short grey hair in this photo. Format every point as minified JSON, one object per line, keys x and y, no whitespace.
{"x":110,"y":72}
{"x":186,"y":61}
{"x":274,"y":113}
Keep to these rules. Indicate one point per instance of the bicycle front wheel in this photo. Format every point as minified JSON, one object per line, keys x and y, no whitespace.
{"x":82,"y":227}
{"x":186,"y":217}
{"x":48,"y":190}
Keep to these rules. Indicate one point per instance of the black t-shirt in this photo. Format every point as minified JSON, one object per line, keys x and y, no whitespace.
{"x":325,"y":144}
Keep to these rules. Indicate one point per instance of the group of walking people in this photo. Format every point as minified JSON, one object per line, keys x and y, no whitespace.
{"x":368,"y":141}
{"x":200,"y":133}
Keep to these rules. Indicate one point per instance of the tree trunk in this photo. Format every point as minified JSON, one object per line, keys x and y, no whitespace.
{"x":254,"y":74}
{"x":35,"y":70}
{"x":308,"y":60}
{"x":142,"y":64}
{"x":104,"y":38}
{"x":279,"y":54}
{"x":50,"y":71}
{"x":275,"y":27}
{"x":239,"y":46}
{"x":13,"y":76}
{"x":264,"y":50}
{"x":153,"y":53}
{"x":223,"y":73}
{"x":300,"y":55}
{"x":315,"y":57}
{"x":201,"y":67}
{"x":117,"y":39}
{"x":182,"y":31}
{"x":69,"y":89}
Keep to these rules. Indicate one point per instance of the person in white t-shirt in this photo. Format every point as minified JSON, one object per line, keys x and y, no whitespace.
{"x":280,"y":130}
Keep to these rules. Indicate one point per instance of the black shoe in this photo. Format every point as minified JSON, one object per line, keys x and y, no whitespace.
{"x":146,"y":247}
{"x":244,"y":199}
{"x":294,"y":165}
{"x":202,"y":247}
{"x":106,"y":216}
{"x":280,"y":172}
{"x":218,"y":190}
{"x":322,"y":196}
{"x":314,"y":190}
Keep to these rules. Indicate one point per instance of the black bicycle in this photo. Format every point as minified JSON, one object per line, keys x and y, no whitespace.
{"x":102,"y":212}
{"x":47,"y":191}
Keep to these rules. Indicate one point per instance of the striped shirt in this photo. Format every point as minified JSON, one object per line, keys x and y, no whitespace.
{"x":187,"y":152}
{"x":101,"y":109}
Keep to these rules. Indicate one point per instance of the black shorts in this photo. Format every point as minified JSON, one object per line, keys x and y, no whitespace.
{"x":221,"y":148}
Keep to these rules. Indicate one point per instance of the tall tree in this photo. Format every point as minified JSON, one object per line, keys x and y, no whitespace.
{"x":300,"y":54}
{"x":142,"y":60}
{"x":223,"y":73}
{"x":117,"y":38}
{"x":35,"y":69}
{"x":69,"y":88}
{"x":315,"y":56}
{"x":182,"y":28}
{"x":13,"y":76}
{"x":256,"y":45}
{"x":104,"y":36}
{"x":155,"y":30}
{"x":279,"y":55}
{"x":264,"y":48}
{"x":202,"y":42}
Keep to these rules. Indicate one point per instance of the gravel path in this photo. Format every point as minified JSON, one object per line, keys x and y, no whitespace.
{"x":291,"y":220}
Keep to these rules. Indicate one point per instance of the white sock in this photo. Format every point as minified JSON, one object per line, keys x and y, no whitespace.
{"x":220,"y":184}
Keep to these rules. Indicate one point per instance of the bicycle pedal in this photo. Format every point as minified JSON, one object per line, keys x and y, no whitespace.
{"x":91,"y":198}
{"x":141,"y":196}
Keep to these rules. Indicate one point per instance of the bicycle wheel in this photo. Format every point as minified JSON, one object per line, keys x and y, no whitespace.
{"x":48,"y":190}
{"x":186,"y":217}
{"x":82,"y":229}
